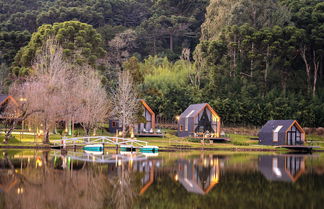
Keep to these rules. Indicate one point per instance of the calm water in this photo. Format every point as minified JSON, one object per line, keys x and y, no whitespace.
{"x":36,"y":179}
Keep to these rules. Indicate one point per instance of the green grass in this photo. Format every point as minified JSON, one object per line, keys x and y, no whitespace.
{"x":169,"y":140}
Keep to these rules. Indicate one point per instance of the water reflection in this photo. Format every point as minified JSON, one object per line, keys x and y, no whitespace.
{"x":198,"y":175}
{"x":282,"y":167}
{"x":32,"y":179}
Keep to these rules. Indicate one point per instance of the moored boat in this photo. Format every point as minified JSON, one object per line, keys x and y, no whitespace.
{"x":149,"y":149}
{"x":94,"y":147}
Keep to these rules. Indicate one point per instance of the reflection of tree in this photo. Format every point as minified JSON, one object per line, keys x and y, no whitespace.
{"x":122,"y":195}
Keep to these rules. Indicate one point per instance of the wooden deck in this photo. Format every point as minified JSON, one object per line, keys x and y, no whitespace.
{"x":301,"y":148}
{"x":149,"y":135}
{"x":215,"y":139}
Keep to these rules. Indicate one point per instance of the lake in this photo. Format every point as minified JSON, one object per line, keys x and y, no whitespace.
{"x":53,"y":180}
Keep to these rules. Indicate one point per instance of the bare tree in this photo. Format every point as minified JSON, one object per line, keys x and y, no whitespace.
{"x":92,"y":100}
{"x":43,"y":90}
{"x":120,"y":47}
{"x":125,"y":101}
{"x":57,"y":91}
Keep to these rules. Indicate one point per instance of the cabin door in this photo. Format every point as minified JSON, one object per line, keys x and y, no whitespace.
{"x":291,"y":136}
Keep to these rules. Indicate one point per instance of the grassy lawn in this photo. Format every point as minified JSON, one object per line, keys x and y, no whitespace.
{"x":169,"y":140}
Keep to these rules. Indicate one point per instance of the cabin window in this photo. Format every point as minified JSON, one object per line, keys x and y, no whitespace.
{"x":276,"y":133}
{"x":298,"y":136}
{"x":186,"y":124}
{"x":113,"y":124}
{"x":181,"y":128}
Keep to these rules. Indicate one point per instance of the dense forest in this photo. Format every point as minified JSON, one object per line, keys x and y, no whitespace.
{"x":252,"y":60}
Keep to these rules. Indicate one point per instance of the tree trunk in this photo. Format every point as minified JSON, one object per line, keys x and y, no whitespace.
{"x":307,"y":68}
{"x":46,"y":136}
{"x":234,"y":57}
{"x":321,"y":68}
{"x":171,"y":42}
{"x":316,"y":67}
{"x":8,"y":133}
{"x":267,"y":65}
{"x":252,"y":61}
{"x":154,"y":46}
{"x":46,"y":133}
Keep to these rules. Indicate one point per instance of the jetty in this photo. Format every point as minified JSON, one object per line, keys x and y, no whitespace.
{"x":299,"y":148}
{"x":120,"y":143}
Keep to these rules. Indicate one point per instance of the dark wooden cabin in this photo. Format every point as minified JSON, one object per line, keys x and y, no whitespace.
{"x":286,"y":168}
{"x":282,"y":132}
{"x":198,"y":119}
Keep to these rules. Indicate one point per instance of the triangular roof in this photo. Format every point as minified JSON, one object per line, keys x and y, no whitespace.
{"x":271,"y":125}
{"x":4,"y":98}
{"x":147,"y":107}
{"x":194,"y":109}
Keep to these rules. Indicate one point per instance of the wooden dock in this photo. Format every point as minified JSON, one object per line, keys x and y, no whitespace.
{"x":215,"y":139}
{"x":300,"y":148}
{"x":149,"y":135}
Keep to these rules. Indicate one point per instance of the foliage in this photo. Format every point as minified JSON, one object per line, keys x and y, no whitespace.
{"x":81,"y":43}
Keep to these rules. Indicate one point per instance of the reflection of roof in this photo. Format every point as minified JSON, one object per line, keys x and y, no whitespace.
{"x":280,"y":125}
{"x":191,"y":186}
{"x":193,"y":110}
{"x":197,"y":178}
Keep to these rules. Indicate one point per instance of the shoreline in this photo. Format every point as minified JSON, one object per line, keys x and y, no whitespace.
{"x":166,"y":149}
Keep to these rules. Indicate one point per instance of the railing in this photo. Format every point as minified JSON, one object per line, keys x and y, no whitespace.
{"x":108,"y":158}
{"x":99,"y":140}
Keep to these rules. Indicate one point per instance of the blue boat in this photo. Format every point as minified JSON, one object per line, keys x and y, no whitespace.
{"x":94,"y":147}
{"x":149,"y":149}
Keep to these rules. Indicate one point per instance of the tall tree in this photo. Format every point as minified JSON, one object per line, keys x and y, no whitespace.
{"x":125,"y":101}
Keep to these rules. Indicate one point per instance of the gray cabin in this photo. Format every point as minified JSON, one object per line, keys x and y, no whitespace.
{"x":286,"y":168}
{"x":282,"y":132}
{"x":147,"y":124}
{"x":197,"y":119}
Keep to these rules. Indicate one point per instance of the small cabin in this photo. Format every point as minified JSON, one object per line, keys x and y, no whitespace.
{"x":197,"y":120}
{"x":114,"y":126}
{"x":286,"y":168}
{"x":282,"y":132}
{"x":9,"y":108}
{"x":146,"y":124}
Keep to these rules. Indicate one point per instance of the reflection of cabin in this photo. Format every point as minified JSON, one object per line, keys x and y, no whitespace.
{"x":198,"y":176}
{"x":282,"y":132}
{"x":198,"y":119}
{"x":282,"y":168}
{"x":146,"y":124}
{"x":8,"y":107}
